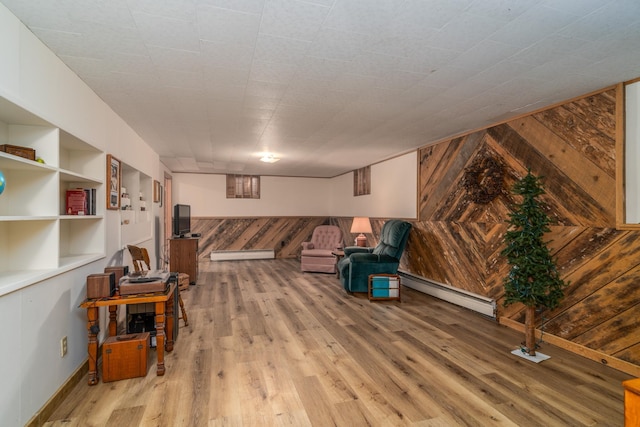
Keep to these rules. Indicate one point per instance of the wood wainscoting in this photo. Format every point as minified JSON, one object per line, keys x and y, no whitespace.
{"x":282,"y":234}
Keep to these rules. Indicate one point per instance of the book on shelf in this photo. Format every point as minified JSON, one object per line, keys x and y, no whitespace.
{"x":90,"y":205}
{"x":81,"y":201}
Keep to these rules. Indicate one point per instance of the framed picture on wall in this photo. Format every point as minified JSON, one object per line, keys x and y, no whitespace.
{"x":113,"y":182}
{"x":156,"y":191}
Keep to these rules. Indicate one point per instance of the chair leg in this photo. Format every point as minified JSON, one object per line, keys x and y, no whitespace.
{"x":184,"y":312}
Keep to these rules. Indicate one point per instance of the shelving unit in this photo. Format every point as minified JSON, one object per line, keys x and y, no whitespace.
{"x":37,"y":239}
{"x":137,"y":224}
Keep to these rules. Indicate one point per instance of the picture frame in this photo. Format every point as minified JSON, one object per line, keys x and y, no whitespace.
{"x":161,"y":195}
{"x":114,"y":176}
{"x":156,"y":191}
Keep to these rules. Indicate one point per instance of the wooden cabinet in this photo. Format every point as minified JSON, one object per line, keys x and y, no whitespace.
{"x":37,"y":238}
{"x":183,"y":257}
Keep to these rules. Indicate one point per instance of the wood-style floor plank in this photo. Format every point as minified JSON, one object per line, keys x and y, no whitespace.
{"x":268,"y":345}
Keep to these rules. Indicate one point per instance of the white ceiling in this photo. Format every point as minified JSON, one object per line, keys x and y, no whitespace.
{"x":329,"y":86}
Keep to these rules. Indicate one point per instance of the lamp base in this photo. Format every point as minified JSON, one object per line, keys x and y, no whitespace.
{"x":361,"y":241}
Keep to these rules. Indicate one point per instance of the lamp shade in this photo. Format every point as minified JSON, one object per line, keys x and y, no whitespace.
{"x":361,"y":224}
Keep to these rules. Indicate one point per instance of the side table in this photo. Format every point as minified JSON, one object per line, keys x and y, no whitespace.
{"x":164,"y":324}
{"x":339,"y":254}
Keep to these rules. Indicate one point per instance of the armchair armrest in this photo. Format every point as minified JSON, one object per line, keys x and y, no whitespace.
{"x":307,"y":245}
{"x":348,"y":250}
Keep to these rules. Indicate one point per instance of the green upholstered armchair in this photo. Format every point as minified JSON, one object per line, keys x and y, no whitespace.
{"x":358,"y":263}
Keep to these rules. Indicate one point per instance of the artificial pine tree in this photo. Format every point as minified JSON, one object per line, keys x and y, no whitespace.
{"x":533,"y":279}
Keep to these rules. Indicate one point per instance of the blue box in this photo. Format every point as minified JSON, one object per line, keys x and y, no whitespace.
{"x":384,"y":286}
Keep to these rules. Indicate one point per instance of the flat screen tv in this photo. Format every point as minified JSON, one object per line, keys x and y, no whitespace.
{"x":181,"y":220}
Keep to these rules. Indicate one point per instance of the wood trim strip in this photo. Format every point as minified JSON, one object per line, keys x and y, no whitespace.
{"x":41,"y":417}
{"x":620,"y":125}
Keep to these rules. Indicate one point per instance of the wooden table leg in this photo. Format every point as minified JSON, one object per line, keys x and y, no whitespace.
{"x":92,"y":320}
{"x":170,"y":321}
{"x":160,"y":319}
{"x":113,"y":320}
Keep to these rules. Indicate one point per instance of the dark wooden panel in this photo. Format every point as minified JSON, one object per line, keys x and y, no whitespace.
{"x":569,"y":204}
{"x":626,"y":326}
{"x":591,"y":143}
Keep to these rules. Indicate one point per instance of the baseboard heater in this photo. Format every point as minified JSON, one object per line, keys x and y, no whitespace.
{"x":242,"y":255}
{"x":475,"y":302}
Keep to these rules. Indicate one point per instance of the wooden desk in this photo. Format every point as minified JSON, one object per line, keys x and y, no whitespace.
{"x":163,"y":304}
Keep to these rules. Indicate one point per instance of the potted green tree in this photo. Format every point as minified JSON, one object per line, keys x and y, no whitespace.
{"x":533,"y":279}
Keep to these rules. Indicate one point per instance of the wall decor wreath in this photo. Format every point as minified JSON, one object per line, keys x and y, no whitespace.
{"x":483,"y":180}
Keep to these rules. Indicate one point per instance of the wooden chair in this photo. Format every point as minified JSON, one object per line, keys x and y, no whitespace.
{"x":141,"y":262}
{"x":140,"y":258}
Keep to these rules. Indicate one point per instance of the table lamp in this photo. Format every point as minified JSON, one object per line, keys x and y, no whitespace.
{"x":361,"y":224}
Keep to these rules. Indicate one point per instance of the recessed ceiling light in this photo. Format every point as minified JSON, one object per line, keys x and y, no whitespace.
{"x":268,"y":158}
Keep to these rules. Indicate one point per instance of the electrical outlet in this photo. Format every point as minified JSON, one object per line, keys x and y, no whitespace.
{"x":63,"y":346}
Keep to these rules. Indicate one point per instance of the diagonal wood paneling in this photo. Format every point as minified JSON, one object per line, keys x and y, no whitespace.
{"x":283,"y":234}
{"x":458,"y":242}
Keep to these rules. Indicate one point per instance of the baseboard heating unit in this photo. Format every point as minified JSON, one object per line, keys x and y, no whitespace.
{"x":475,"y":302}
{"x":242,"y":255}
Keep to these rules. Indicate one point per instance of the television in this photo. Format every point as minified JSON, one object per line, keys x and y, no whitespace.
{"x":181,"y":220}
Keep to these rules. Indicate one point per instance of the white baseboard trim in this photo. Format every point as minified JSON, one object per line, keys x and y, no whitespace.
{"x":475,"y":302}
{"x":242,"y":255}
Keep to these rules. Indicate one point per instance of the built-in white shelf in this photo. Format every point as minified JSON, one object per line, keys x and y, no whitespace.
{"x":136,"y":224}
{"x":37,"y":239}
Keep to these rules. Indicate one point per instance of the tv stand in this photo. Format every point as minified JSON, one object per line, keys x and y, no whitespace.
{"x":183,"y":256}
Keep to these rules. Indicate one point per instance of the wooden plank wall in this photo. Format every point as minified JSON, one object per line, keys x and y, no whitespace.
{"x":283,"y":234}
{"x":457,"y":241}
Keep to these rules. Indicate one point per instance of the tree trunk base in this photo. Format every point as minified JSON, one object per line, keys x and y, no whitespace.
{"x":539,"y":357}
{"x":530,"y":331}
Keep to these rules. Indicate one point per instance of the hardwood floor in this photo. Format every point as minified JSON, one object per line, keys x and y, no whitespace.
{"x":268,"y":345}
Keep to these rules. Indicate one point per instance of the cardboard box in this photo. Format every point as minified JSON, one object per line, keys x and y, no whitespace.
{"x":125,"y":356}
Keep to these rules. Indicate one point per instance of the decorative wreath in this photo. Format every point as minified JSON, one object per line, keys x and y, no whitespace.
{"x":483,"y":180}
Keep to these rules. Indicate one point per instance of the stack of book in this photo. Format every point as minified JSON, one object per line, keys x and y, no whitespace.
{"x":81,"y":201}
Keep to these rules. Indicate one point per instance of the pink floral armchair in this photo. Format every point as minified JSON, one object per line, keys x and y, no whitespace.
{"x":316,"y":255}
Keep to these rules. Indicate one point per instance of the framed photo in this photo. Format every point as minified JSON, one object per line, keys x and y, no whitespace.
{"x":156,"y":191}
{"x":113,"y":182}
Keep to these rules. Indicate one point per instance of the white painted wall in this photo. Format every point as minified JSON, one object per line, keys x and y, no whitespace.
{"x":393,"y":194}
{"x":394,"y":189}
{"x":279,"y":196}
{"x":35,"y":318}
{"x":632,"y":153}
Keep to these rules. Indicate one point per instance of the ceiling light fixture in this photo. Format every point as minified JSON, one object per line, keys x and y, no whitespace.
{"x":268,"y":158}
